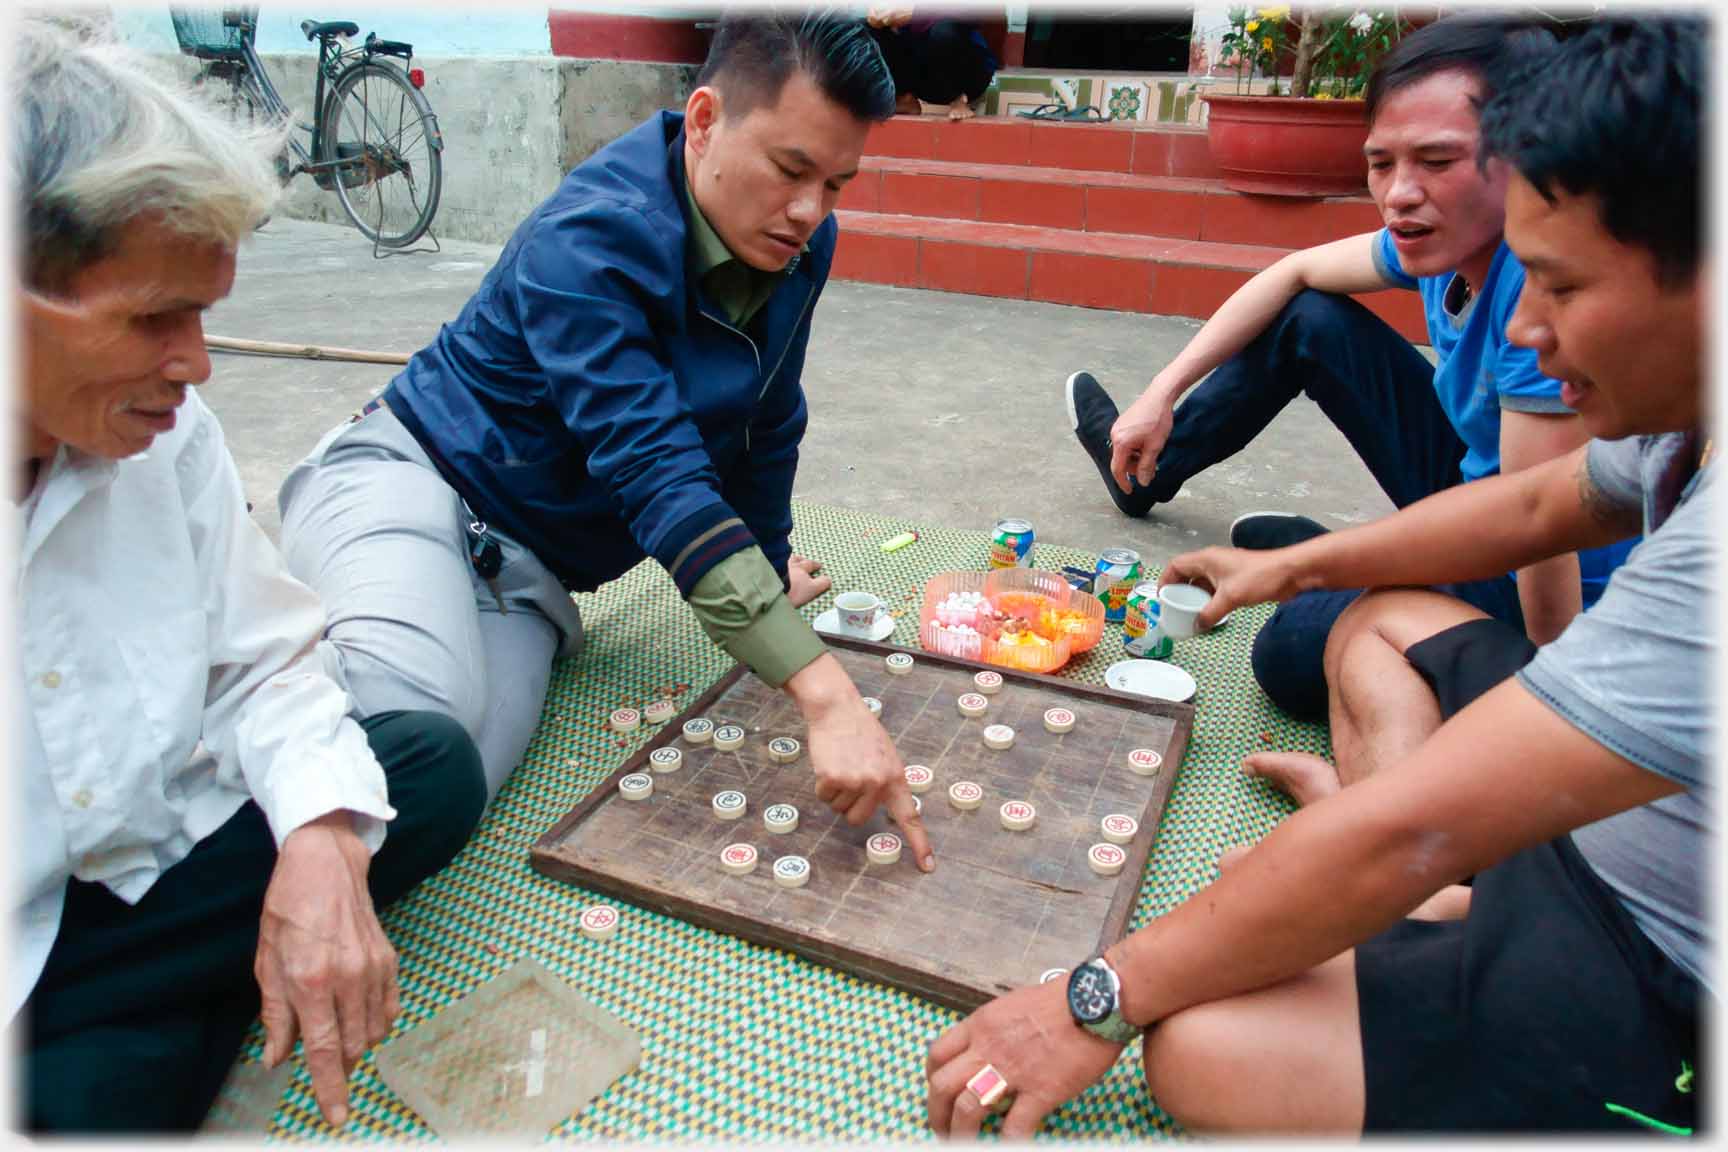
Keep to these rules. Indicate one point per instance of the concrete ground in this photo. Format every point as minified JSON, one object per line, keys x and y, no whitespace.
{"x":939,"y":408}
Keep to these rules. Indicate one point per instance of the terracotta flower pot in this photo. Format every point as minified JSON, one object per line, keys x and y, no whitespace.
{"x":1281,"y":146}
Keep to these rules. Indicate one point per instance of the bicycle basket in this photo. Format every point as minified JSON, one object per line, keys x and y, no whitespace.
{"x":213,"y":33}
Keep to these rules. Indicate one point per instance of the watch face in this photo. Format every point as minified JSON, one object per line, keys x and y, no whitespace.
{"x":1091,"y":994}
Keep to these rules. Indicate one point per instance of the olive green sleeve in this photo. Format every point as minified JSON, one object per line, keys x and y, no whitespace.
{"x":743,"y":608}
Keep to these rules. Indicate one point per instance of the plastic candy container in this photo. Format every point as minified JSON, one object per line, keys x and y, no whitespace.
{"x":1014,"y":617}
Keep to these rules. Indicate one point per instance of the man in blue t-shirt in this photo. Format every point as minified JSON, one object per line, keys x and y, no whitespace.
{"x":1420,"y":428}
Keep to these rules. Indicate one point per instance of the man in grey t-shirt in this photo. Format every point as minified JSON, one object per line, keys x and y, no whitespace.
{"x":1634,"y":674}
{"x":1338,"y":978}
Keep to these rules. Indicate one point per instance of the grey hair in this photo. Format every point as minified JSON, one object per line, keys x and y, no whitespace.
{"x":103,"y":136}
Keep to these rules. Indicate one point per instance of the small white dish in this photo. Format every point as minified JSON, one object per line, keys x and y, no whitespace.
{"x":828,"y":623}
{"x":1152,"y":678}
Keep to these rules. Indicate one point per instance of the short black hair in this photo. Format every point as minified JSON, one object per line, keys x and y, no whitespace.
{"x":1617,"y":114}
{"x":753,"y":55}
{"x":1488,"y":47}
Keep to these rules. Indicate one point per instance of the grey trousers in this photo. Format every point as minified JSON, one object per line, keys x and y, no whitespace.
{"x":370,"y":525}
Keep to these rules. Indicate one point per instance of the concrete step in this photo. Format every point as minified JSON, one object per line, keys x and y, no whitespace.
{"x":1164,"y":275}
{"x":1183,"y":207}
{"x":1144,"y":149}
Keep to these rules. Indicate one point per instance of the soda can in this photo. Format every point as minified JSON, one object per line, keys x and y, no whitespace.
{"x":1140,"y":612}
{"x":1141,"y":633}
{"x":1011,"y":544}
{"x":1152,"y":644}
{"x":1117,"y":573}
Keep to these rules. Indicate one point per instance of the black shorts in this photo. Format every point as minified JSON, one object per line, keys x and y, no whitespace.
{"x":1467,"y":659}
{"x":1546,"y":1009}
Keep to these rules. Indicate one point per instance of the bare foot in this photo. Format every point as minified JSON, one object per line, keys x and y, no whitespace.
{"x":961,"y":109}
{"x":906,"y":104}
{"x":1304,"y":778}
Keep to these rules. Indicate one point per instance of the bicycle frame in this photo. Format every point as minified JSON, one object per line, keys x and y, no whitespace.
{"x":331,"y":62}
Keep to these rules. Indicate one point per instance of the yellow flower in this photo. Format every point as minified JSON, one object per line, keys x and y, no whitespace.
{"x":1276,"y":12}
{"x":1266,"y":44}
{"x":1252,"y":26}
{"x":1323,"y":96}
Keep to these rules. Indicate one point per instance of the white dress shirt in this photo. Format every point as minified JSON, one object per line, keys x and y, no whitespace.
{"x":168,"y":674}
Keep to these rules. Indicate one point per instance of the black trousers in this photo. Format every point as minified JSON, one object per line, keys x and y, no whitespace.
{"x":1378,"y":391}
{"x":141,"y":1009}
{"x":938,"y":66}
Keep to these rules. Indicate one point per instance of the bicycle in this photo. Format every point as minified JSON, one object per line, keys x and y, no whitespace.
{"x":374,"y":139}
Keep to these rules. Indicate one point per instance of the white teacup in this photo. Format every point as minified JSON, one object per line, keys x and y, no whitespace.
{"x":859,"y":612}
{"x":1179,"y":608}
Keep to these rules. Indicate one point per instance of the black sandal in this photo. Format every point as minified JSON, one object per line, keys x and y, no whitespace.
{"x":1055,"y":111}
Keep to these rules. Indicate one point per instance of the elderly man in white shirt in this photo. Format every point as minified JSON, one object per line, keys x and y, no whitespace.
{"x":203,"y":823}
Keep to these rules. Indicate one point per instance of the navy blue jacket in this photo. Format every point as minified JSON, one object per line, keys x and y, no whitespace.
{"x":595,"y":405}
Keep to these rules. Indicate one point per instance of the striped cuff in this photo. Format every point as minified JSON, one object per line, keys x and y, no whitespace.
{"x":699,"y":542}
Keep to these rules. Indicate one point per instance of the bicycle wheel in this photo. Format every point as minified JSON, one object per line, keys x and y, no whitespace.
{"x":381,"y":131}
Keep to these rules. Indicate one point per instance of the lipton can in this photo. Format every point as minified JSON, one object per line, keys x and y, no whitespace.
{"x":1011,"y":544}
{"x":1116,"y":574}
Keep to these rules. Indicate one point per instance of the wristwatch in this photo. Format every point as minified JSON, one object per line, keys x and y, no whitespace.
{"x":1095,"y":1001}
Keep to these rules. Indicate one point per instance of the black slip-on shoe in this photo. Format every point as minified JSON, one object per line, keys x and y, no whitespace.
{"x":1091,"y":413}
{"x":1263,"y":531}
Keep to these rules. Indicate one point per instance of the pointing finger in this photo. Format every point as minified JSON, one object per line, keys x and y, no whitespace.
{"x":905,"y":812}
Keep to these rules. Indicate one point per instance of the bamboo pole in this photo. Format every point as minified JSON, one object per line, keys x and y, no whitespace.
{"x":302,"y":351}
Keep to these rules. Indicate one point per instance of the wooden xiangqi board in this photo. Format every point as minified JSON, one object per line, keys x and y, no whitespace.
{"x":1001,"y":906}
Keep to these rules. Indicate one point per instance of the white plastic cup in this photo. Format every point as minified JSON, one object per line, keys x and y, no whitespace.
{"x":1179,"y":608}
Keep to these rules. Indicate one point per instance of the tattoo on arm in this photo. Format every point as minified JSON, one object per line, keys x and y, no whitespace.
{"x":1601,"y":509}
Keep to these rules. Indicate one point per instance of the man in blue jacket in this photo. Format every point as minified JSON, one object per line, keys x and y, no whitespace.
{"x":625,"y":383}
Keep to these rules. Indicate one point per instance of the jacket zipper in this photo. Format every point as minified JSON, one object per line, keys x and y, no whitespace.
{"x":757,"y":353}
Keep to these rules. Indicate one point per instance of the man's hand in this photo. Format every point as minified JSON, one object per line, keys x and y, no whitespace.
{"x":805,"y":584}
{"x":1235,"y":576}
{"x":1030,"y":1038}
{"x":1138,"y":437}
{"x":855,"y":762}
{"x":325,"y":971}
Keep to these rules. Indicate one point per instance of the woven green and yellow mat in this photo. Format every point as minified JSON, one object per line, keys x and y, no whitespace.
{"x":743,"y":1042}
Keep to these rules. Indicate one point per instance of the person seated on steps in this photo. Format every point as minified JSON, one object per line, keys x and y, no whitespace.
{"x":1333,"y":980}
{"x":934,"y":60}
{"x":1419,"y":427}
{"x":625,"y":383}
{"x":206,"y":829}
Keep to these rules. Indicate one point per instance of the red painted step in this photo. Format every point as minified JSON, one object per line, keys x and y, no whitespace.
{"x":1176,"y":206}
{"x":1164,"y":275}
{"x":1160,"y":150}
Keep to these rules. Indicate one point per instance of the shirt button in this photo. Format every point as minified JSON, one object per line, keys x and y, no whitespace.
{"x":82,"y":798}
{"x":50,"y":679}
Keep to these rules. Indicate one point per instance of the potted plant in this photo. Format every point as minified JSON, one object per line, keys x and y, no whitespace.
{"x":1304,"y":139}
